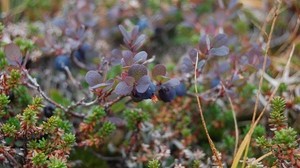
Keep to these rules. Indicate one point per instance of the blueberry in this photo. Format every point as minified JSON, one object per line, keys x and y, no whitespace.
{"x":180,"y":89}
{"x":142,"y":23}
{"x":61,"y":61}
{"x":166,"y":93}
{"x":149,"y":92}
{"x":48,"y":110}
{"x":80,"y":54}
{"x":214,"y":82}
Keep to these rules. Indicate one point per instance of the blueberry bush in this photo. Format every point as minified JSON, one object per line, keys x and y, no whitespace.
{"x":157,"y":84}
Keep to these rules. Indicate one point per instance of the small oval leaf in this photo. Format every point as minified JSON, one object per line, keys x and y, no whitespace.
{"x":143,"y":84}
{"x":129,"y":80}
{"x":139,"y":42}
{"x":159,"y":69}
{"x":125,"y":34}
{"x":123,"y":89}
{"x":127,"y":57}
{"x":93,"y":78}
{"x":219,"y":40}
{"x":172,"y":82}
{"x":137,"y":71}
{"x":13,"y":54}
{"x":140,"y":57}
{"x":221,"y":51}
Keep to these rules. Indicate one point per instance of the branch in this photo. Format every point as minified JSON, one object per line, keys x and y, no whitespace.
{"x":68,"y":109}
{"x":211,"y":143}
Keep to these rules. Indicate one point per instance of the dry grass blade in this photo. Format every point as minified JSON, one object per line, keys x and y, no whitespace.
{"x":247,"y":138}
{"x":245,"y":144}
{"x":261,"y":158}
{"x":234,"y":120}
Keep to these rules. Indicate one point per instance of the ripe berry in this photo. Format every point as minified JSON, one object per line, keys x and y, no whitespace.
{"x":180,"y":89}
{"x":149,"y":92}
{"x":80,"y":54}
{"x":166,"y":93}
{"x":61,"y":61}
{"x":142,"y":23}
{"x":48,"y":110}
{"x":214,"y":82}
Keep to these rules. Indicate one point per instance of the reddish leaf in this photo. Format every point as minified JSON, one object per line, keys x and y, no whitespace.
{"x":137,"y":71}
{"x":135,"y":32}
{"x":127,"y":57}
{"x":139,"y":42}
{"x":13,"y":54}
{"x":129,"y":80}
{"x":219,"y":40}
{"x":204,"y":44}
{"x":159,"y":69}
{"x":125,"y":34}
{"x":193,"y":54}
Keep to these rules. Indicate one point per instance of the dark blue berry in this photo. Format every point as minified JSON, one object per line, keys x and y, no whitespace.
{"x":61,"y":61}
{"x":149,"y":92}
{"x":214,"y":82}
{"x":48,"y":110}
{"x":80,"y":54}
{"x":166,"y":93}
{"x":180,"y":89}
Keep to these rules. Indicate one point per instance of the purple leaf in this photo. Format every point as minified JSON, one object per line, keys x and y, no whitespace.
{"x":135,"y":32}
{"x":143,"y":84}
{"x":186,"y":65}
{"x":204,"y":44}
{"x":125,"y":34}
{"x":93,"y":78}
{"x":219,"y":40}
{"x":137,"y":71}
{"x":13,"y":54}
{"x":201,"y":64}
{"x":123,"y":89}
{"x":139,"y":42}
{"x":172,"y":82}
{"x":221,"y":51}
{"x":193,"y":54}
{"x":140,"y":57}
{"x":159,"y":69}
{"x":127,"y":57}
{"x":116,"y":57}
{"x":129,"y":80}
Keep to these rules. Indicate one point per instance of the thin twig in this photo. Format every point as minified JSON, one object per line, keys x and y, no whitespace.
{"x":211,"y":143}
{"x":108,"y":104}
{"x":68,"y":109}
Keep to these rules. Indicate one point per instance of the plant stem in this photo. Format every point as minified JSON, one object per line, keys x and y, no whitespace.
{"x":211,"y":143}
